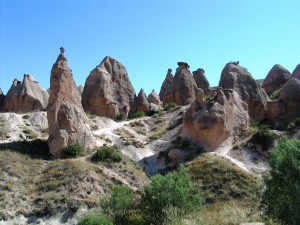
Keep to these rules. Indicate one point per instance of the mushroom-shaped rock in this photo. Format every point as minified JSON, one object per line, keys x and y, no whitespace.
{"x":67,"y":121}
{"x":107,"y":83}
{"x":166,"y":91}
{"x":239,"y":79}
{"x":296,"y":72}
{"x":26,"y":96}
{"x":184,"y":86}
{"x":143,"y":104}
{"x":275,"y":79}
{"x":154,"y":98}
{"x":209,"y":124}
{"x":201,"y":80}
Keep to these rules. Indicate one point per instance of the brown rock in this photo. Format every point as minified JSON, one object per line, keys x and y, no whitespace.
{"x":239,"y":79}
{"x":176,"y":155}
{"x":166,"y":91}
{"x":2,"y":98}
{"x":143,"y":104}
{"x":296,"y":72}
{"x":67,"y":121}
{"x":25,"y":97}
{"x":275,"y":79}
{"x":209,"y":124}
{"x":108,"y":90}
{"x":154,"y":98}
{"x":184,"y":86}
{"x":201,"y":80}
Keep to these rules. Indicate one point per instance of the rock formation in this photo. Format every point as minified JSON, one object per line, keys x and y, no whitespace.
{"x":239,"y":79}
{"x":2,"y":98}
{"x":108,"y":90}
{"x":211,"y":123}
{"x":184,"y":85}
{"x":166,"y":91}
{"x":67,"y":121}
{"x":201,"y":80}
{"x":154,"y":98}
{"x":296,"y":72}
{"x":275,"y":79}
{"x":80,"y":89}
{"x":143,"y":104}
{"x":26,"y":96}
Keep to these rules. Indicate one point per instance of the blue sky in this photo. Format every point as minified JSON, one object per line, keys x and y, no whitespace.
{"x":147,"y":37}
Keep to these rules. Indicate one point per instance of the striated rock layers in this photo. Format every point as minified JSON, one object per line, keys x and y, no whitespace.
{"x":2,"y":98}
{"x":239,"y":79}
{"x":275,"y":79}
{"x":201,"y":80}
{"x":26,"y":96}
{"x":67,"y":121}
{"x":108,"y":90}
{"x":166,"y":90}
{"x":211,"y":123}
{"x":143,"y":104}
{"x":154,"y":98}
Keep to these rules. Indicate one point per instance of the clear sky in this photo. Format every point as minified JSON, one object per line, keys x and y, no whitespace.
{"x":147,"y":37}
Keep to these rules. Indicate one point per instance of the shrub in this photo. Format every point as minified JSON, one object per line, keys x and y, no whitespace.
{"x":275,"y":94}
{"x":107,"y":154}
{"x":175,"y":190}
{"x":92,"y":219}
{"x":120,"y":116}
{"x":119,"y":205}
{"x":263,"y":136}
{"x":281,"y":198}
{"x":138,"y":114}
{"x":73,"y":150}
{"x":169,"y":106}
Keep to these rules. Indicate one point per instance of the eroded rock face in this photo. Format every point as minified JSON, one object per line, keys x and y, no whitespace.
{"x":143,"y":104}
{"x":239,"y":79}
{"x":108,"y":90}
{"x":80,"y":89}
{"x":296,"y":72}
{"x":2,"y":97}
{"x":275,"y":79}
{"x":154,"y":98}
{"x":26,"y":96}
{"x":166,"y":91}
{"x":201,"y":80}
{"x":67,"y":121}
{"x":211,"y":123}
{"x":184,"y":85}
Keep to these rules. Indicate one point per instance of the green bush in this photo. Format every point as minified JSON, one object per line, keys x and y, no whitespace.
{"x":119,"y":205}
{"x":138,"y":114}
{"x":120,"y":116}
{"x":73,"y":150}
{"x":170,"y":106}
{"x":175,"y":190}
{"x":92,"y":219}
{"x":263,"y":136}
{"x":107,"y":154}
{"x":281,"y":199}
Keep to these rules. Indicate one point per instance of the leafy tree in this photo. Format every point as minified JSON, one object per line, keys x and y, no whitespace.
{"x":119,"y":205}
{"x":92,"y":219}
{"x":281,"y":199}
{"x":175,"y":190}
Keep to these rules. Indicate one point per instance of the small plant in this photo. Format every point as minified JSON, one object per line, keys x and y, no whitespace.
{"x":170,"y":106}
{"x":73,"y":150}
{"x":138,"y":114}
{"x":107,"y":154}
{"x":275,"y":94}
{"x":263,"y":136}
{"x":93,"y":219}
{"x":120,"y":116}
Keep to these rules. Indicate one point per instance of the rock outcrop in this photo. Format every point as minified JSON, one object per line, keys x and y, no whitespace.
{"x":108,"y":90}
{"x":154,"y":98}
{"x":239,"y":79}
{"x":201,"y":80}
{"x":211,"y":123}
{"x":2,"y":98}
{"x":296,"y":72}
{"x":143,"y":104}
{"x":80,"y":89}
{"x":26,"y":96}
{"x":67,"y":121}
{"x":184,"y":85}
{"x":166,"y":90}
{"x":275,"y":79}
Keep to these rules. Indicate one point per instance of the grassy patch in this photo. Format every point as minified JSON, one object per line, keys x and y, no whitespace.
{"x":107,"y":154}
{"x":170,"y":106}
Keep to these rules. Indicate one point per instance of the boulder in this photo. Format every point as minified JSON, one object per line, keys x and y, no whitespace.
{"x":166,"y":90}
{"x":108,"y":90}
{"x":211,"y":123}
{"x":2,"y":98}
{"x":143,"y":104}
{"x":26,"y":96}
{"x":239,"y":79}
{"x":296,"y":72}
{"x":67,"y":121}
{"x":154,"y":98}
{"x":176,"y":155}
{"x":184,"y":86}
{"x":201,"y":80}
{"x":275,"y":79}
